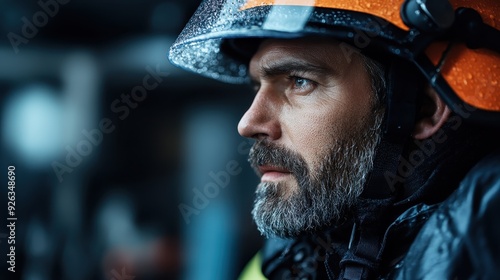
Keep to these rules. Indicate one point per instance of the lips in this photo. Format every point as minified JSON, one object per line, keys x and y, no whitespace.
{"x":272,"y":173}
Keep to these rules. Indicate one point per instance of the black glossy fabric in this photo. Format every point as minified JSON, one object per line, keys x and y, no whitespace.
{"x":461,"y":240}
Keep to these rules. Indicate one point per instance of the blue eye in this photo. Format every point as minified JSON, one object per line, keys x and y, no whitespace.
{"x":301,"y":85}
{"x":301,"y":82}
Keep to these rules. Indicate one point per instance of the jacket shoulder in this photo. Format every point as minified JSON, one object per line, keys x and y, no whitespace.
{"x":460,"y":240}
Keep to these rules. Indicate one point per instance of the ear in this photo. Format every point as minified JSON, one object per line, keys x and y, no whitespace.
{"x":432,"y":116}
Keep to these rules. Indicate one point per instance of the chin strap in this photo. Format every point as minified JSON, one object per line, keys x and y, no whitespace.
{"x":404,"y":83}
{"x":362,"y":259}
{"x":375,"y":210}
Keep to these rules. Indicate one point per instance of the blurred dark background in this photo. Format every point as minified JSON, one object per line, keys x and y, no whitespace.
{"x":126,"y":167}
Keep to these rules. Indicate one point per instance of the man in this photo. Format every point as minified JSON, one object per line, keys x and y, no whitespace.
{"x":366,"y":172}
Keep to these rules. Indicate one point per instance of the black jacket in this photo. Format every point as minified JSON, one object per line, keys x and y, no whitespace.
{"x":461,"y":240}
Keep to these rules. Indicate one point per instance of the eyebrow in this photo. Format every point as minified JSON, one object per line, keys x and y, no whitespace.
{"x":285,"y":67}
{"x":277,"y":68}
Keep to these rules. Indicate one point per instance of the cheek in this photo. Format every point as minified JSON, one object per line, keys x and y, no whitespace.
{"x":314,"y":132}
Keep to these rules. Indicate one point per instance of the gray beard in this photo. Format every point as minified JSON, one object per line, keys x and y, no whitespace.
{"x":325,"y":195}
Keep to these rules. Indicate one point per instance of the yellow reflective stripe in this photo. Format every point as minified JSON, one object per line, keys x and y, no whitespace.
{"x":252,"y":270}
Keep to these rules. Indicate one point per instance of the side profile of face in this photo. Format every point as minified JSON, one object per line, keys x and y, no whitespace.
{"x":316,"y":122}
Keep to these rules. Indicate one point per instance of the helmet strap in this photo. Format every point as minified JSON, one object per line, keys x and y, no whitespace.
{"x":375,"y":210}
{"x":403,"y":86}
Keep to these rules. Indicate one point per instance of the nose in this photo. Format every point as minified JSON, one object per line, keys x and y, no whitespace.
{"x":261,"y":120}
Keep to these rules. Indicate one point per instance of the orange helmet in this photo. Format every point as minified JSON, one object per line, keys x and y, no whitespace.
{"x":454,"y":44}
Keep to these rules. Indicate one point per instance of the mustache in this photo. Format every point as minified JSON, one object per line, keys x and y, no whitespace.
{"x":265,"y":153}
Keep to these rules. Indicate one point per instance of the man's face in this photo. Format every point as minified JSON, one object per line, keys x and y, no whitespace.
{"x":317,"y":123}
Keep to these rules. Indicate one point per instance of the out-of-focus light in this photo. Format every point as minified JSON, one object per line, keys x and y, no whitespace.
{"x":32,"y":125}
{"x":37,"y":239}
{"x":115,"y":220}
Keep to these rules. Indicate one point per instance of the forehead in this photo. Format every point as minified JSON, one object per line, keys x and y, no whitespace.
{"x":324,"y":53}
